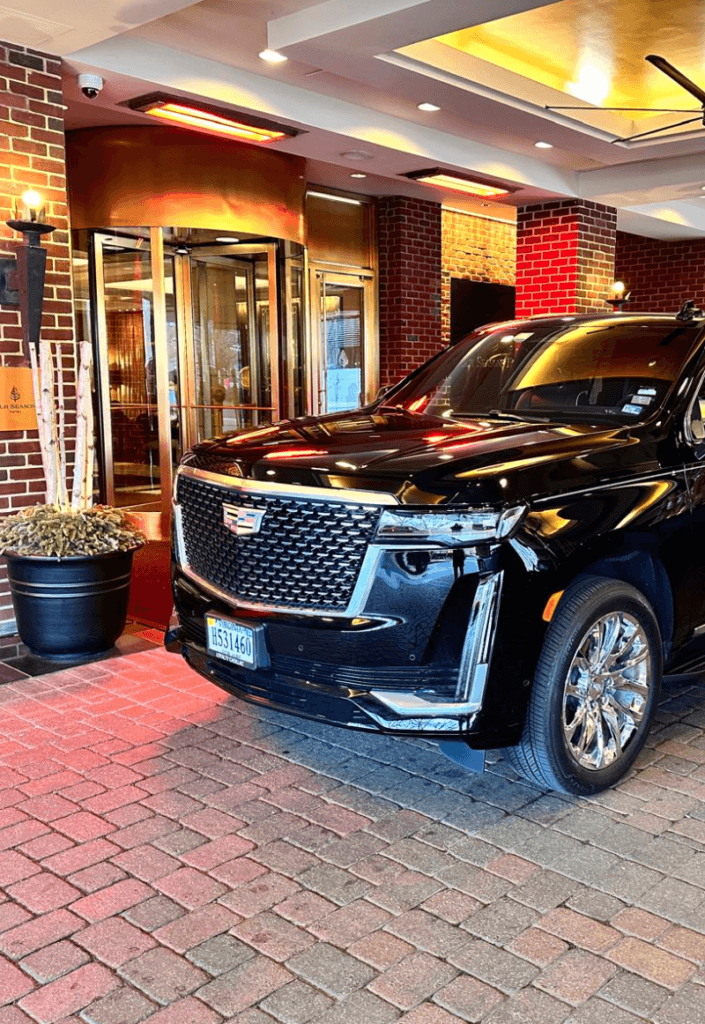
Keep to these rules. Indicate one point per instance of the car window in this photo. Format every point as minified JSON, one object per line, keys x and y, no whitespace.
{"x":696,"y":415}
{"x":609,"y":368}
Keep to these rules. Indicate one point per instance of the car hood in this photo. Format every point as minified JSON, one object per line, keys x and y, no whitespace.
{"x":425,"y":459}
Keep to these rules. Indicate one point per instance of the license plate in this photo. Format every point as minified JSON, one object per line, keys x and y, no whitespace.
{"x":231,"y":641}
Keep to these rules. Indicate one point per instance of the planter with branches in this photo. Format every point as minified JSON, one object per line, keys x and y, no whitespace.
{"x":69,"y":561}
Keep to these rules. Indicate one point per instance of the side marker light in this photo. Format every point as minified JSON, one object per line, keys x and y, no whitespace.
{"x":551,"y":605}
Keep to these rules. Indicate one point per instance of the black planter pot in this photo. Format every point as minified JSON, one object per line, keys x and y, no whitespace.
{"x":70,"y":608}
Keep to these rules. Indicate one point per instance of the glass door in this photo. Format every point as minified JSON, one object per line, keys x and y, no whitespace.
{"x":187,"y":349}
{"x":343,"y":362}
{"x":131,"y":320}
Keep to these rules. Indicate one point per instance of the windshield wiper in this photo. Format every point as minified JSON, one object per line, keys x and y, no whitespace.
{"x":504,"y":414}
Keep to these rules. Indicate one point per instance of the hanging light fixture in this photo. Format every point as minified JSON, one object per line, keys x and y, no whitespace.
{"x":202,"y":117}
{"x":455,"y":182}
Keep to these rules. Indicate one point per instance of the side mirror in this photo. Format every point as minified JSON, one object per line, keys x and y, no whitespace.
{"x":386,"y":389}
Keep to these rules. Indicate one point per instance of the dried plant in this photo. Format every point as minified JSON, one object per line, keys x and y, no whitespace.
{"x":67,"y":524}
{"x":62,"y":532}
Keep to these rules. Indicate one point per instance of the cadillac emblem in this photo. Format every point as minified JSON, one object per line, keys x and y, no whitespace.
{"x":243,"y":522}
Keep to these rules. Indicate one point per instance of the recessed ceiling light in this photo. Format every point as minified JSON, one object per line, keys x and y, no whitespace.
{"x":212,"y":120}
{"x":334,"y":198}
{"x":702,"y":188}
{"x":460,"y":183}
{"x":227,"y":240}
{"x":272,"y":57}
{"x":357,"y":154}
{"x":358,"y":174}
{"x":544,"y":145}
{"x":430,"y":107}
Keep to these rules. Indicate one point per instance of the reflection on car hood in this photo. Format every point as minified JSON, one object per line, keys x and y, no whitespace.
{"x":425,"y":458}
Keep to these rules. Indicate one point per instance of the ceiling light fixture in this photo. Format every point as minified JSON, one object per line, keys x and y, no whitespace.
{"x":544,"y":145}
{"x":430,"y":108}
{"x":356,"y":154}
{"x":227,"y":240}
{"x":335,"y":199}
{"x":273,"y":56}
{"x":358,"y":174}
{"x":439,"y":178}
{"x":209,"y":119}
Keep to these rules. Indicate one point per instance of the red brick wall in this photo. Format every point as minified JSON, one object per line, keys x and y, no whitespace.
{"x":475,"y":249}
{"x":32,"y":156}
{"x":565,"y":257}
{"x":661,"y":275}
{"x":409,"y":284}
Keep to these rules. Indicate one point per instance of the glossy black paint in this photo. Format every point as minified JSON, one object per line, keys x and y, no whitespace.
{"x":626,"y":501}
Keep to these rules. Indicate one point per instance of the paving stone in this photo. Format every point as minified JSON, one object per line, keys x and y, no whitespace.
{"x":273,"y":936}
{"x":303,"y":908}
{"x":259,"y":894}
{"x":43,"y":892}
{"x":121,"y":1006}
{"x":544,"y":890}
{"x":296,"y":1003}
{"x":244,"y":986}
{"x":191,"y":929}
{"x":684,"y":1007}
{"x":162,"y":975}
{"x":360,"y":1008}
{"x":501,"y":921}
{"x":427,"y":1013}
{"x":50,"y":962}
{"x":635,"y":994}
{"x":187,"y":1011}
{"x":13,"y":983}
{"x":220,"y":954}
{"x":114,"y":941}
{"x":426,"y":932}
{"x":579,"y":930}
{"x":654,"y":964}
{"x":497,"y":967}
{"x":344,"y":926}
{"x":329,"y":969}
{"x":402,"y":892}
{"x":595,"y":904}
{"x":69,"y":994}
{"x":529,"y":1005}
{"x":154,"y":913}
{"x":334,"y":884}
{"x":576,"y":976}
{"x":412,"y":980}
{"x":596,"y":1011}
{"x":380,"y":950}
{"x":538,"y":947}
{"x":41,"y":931}
{"x":468,"y":998}
{"x":190,"y":887}
{"x":672,"y":899}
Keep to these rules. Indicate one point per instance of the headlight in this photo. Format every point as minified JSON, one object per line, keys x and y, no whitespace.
{"x":452,"y":528}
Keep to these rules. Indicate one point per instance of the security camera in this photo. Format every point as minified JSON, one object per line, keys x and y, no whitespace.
{"x":90,"y":85}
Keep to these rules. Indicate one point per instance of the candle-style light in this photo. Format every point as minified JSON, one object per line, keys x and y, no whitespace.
{"x":619,"y":296}
{"x":30,"y":211}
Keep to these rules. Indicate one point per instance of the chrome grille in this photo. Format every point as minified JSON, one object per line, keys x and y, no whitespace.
{"x":307,"y":553}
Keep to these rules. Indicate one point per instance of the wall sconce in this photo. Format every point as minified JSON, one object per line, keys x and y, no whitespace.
{"x":620,"y":296}
{"x":30,"y":265}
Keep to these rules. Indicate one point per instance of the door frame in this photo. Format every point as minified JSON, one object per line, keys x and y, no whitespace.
{"x":349,"y":277}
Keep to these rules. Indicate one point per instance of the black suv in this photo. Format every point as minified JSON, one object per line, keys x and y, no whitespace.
{"x":502,"y":551}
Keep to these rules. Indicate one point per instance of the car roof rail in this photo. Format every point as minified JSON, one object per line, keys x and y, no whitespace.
{"x":689,"y":311}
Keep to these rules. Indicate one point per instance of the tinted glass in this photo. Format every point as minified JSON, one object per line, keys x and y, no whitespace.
{"x":620,"y":369}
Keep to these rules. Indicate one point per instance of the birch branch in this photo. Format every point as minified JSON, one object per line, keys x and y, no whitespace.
{"x":63,"y":468}
{"x":82,"y":391}
{"x":48,"y":407}
{"x":41,"y":434}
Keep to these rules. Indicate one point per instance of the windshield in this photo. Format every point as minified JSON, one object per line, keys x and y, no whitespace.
{"x":620,"y":369}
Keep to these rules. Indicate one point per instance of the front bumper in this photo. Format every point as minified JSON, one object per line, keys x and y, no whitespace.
{"x":421,"y":671}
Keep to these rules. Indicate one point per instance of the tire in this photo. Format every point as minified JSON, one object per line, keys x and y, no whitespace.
{"x":583,"y":730}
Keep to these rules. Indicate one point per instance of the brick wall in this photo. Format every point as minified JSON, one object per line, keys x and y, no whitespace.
{"x":32,"y":156}
{"x":565,"y":257}
{"x":409,"y":284}
{"x":474,"y":249}
{"x":661,"y":275}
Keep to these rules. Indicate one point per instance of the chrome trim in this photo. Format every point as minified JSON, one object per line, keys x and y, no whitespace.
{"x":474,"y":665}
{"x":179,"y":535}
{"x":479,"y":641}
{"x":289,"y":490}
{"x":421,"y":724}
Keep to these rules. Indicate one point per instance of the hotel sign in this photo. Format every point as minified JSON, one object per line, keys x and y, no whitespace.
{"x":16,"y":399}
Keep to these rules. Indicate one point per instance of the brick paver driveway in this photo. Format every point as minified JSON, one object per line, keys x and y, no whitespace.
{"x":175,"y":856}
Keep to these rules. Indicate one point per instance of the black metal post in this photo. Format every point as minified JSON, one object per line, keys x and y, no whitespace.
{"x":31,"y":271}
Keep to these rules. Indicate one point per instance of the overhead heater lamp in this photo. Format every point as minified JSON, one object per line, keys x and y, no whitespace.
{"x":209,"y":119}
{"x":479,"y":187}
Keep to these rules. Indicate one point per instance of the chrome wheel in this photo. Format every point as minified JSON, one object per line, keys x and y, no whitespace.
{"x":606,"y":690}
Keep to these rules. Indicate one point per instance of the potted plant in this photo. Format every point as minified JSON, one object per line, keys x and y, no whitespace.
{"x":69,"y":562}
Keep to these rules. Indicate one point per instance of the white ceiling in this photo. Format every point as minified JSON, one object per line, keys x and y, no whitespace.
{"x":346,"y":83}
